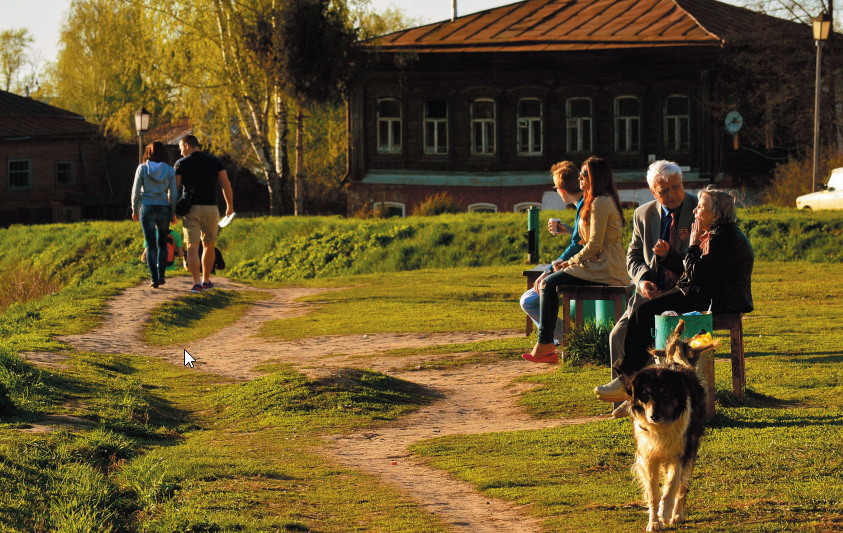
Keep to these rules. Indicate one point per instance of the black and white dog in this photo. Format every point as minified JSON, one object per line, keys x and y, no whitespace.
{"x":667,"y":412}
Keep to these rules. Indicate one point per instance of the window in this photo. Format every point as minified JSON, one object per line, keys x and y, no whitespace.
{"x":482,"y":208}
{"x":436,"y":127}
{"x":529,"y":126}
{"x":578,"y":111}
{"x":524,"y":206}
{"x":627,"y":124}
{"x":64,"y":174}
{"x":389,"y":126}
{"x":676,"y":128}
{"x":393,"y":209}
{"x":20,"y":174}
{"x":483,"y":127}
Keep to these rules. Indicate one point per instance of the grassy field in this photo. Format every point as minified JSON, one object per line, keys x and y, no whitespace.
{"x":145,"y":446}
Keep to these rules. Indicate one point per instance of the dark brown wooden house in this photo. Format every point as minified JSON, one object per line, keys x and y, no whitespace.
{"x":51,"y":166}
{"x":482,"y":106}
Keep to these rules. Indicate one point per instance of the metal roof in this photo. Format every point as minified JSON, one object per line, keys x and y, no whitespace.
{"x":22,"y":118}
{"x":567,"y":25}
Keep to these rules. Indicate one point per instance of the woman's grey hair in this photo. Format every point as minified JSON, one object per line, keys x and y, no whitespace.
{"x":721,"y":203}
{"x":662,"y":171}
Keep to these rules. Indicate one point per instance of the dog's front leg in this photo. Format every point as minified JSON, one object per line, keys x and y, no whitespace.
{"x":672,"y":480}
{"x":648,"y":476}
{"x":684,"y":487}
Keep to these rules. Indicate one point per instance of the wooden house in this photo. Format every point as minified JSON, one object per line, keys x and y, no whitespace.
{"x":482,"y":106}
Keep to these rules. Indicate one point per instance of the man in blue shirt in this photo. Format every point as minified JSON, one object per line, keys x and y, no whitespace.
{"x":567,"y":185}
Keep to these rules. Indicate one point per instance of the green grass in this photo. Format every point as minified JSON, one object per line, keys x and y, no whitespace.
{"x":196,"y":316}
{"x":459,"y":299}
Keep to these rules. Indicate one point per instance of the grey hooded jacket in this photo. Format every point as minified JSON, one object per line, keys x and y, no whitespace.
{"x":152,"y":180}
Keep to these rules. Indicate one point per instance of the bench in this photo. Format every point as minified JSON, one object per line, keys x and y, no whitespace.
{"x":730,"y":322}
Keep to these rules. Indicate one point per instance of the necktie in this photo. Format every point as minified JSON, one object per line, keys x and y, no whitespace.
{"x":670,"y":278}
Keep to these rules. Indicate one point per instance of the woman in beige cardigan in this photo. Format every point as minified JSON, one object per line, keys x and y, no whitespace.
{"x":602,"y":261}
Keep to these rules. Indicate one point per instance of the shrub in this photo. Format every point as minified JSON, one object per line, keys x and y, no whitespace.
{"x":794,"y":178}
{"x":589,"y":344}
{"x":436,"y":204}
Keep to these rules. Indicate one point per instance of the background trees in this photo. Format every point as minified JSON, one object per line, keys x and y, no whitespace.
{"x":13,"y":56}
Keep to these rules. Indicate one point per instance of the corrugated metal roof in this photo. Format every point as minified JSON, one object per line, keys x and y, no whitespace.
{"x":24,"y":117}
{"x":557,"y":25}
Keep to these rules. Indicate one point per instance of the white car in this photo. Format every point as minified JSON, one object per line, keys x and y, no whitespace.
{"x":831,"y":197}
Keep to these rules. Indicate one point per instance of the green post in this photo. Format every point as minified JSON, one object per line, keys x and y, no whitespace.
{"x":533,"y":235}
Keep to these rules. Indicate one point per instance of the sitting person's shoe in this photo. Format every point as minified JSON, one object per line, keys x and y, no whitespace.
{"x":207,"y":285}
{"x":551,"y":357}
{"x":196,"y":288}
{"x":611,"y":392}
{"x":622,"y":411}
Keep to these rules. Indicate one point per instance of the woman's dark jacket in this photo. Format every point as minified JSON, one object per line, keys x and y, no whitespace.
{"x":721,"y":278}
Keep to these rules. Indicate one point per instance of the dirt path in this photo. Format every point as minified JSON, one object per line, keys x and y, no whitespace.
{"x":473,"y":398}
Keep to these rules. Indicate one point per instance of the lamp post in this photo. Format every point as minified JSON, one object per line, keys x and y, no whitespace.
{"x":141,"y":125}
{"x":822,"y":25}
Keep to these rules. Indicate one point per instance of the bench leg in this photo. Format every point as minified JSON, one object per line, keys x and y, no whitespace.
{"x":738,"y":378}
{"x":566,"y":321}
{"x":706,"y":371}
{"x":529,"y":328}
{"x":618,"y":315}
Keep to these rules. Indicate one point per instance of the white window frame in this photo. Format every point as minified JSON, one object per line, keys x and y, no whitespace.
{"x":9,"y":174}
{"x":393,"y":123}
{"x":486,"y":124}
{"x":525,"y":125}
{"x":432,"y":148}
{"x":523,"y":206}
{"x":675,"y":144}
{"x":577,"y":123}
{"x":72,"y":181}
{"x":381,"y":205}
{"x":624,"y":127}
{"x":482,"y":205}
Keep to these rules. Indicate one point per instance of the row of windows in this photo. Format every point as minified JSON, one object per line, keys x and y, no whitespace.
{"x":20,"y":174}
{"x":397,"y":209}
{"x":530,"y":124}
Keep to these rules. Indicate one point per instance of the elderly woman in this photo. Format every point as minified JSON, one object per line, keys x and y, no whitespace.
{"x":601,"y":261}
{"x":718,"y":275}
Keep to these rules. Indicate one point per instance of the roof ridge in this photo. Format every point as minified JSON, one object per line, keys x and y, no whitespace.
{"x":695,"y":19}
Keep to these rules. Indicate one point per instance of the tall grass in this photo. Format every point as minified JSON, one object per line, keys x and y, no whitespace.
{"x":20,"y":282}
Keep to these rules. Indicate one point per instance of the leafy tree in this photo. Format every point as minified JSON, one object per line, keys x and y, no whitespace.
{"x":13,"y":46}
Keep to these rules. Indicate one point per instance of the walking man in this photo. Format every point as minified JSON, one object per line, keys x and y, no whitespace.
{"x":199,"y":173}
{"x":668,"y":218}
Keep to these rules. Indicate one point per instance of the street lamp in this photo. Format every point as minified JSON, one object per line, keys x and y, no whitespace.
{"x":141,"y":125}
{"x":822,"y":25}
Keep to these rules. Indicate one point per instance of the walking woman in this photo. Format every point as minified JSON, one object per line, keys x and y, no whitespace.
{"x":154,"y":199}
{"x":602,"y":260}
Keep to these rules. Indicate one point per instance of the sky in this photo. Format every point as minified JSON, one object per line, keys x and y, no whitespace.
{"x":43,"y":18}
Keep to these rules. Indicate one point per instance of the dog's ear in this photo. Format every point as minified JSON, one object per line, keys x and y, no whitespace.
{"x":680,"y":328}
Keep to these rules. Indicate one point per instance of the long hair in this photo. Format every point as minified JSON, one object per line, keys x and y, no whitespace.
{"x":157,"y":153}
{"x":602,"y":184}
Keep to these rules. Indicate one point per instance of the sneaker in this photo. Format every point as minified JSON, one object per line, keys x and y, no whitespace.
{"x":622,"y":411}
{"x":153,"y":284}
{"x":611,"y":392}
{"x":207,"y":285}
{"x":196,"y":288}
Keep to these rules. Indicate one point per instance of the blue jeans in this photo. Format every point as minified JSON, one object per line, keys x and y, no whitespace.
{"x":549,"y":303}
{"x":152,"y":217}
{"x":531,"y":304}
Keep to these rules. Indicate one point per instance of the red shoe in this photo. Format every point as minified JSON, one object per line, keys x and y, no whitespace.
{"x":550,"y":357}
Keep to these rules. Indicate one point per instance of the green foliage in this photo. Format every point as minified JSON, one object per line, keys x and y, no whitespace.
{"x":795,"y":177}
{"x":436,"y":204}
{"x":84,"y":500}
{"x":149,"y":477}
{"x":13,"y":46}
{"x":589,"y":344}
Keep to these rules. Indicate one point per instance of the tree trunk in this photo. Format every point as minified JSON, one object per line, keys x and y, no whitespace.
{"x":299,"y":160}
{"x":282,"y":156}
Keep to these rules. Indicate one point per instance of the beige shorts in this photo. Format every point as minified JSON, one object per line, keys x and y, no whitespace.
{"x":201,"y":220}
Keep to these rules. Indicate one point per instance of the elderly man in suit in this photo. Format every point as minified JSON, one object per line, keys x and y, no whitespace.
{"x":668,"y":218}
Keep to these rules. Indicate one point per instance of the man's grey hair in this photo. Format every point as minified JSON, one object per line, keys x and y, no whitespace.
{"x":662,"y":171}
{"x":721,"y":203}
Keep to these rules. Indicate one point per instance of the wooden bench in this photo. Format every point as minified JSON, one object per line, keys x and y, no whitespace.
{"x":580,"y":293}
{"x":731,"y":322}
